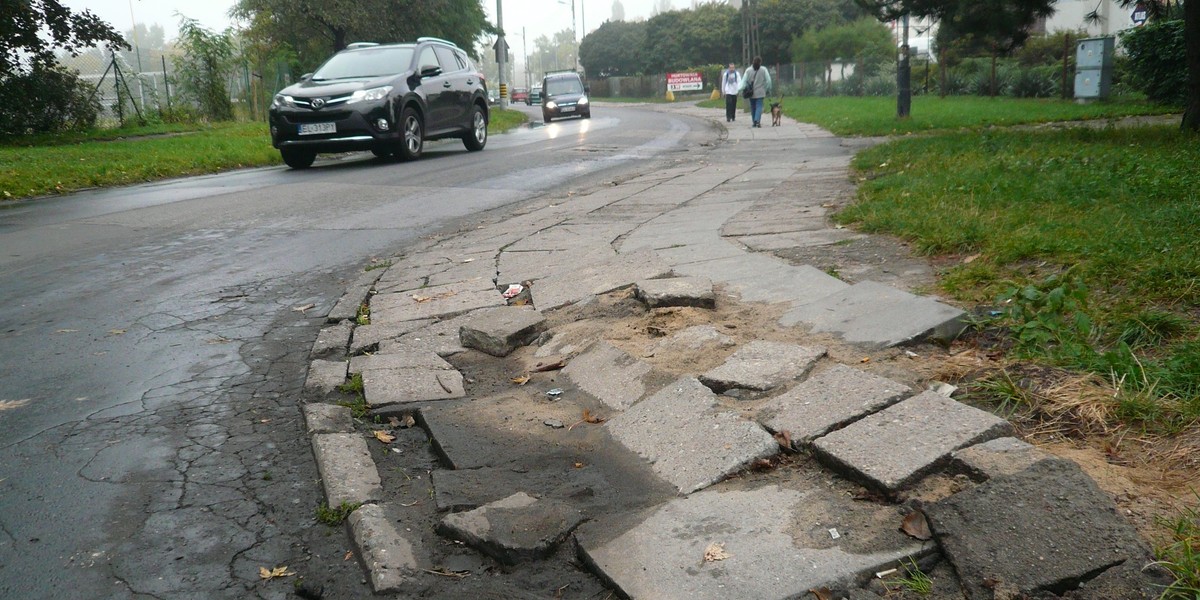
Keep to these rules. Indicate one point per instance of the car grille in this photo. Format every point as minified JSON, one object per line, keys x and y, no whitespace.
{"x":328,"y":101}
{"x":316,"y":117}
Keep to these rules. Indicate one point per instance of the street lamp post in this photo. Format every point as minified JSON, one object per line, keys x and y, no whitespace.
{"x":574,"y":32}
{"x":501,"y":55}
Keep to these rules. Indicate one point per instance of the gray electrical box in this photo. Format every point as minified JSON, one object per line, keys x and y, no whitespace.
{"x":1093,"y":68}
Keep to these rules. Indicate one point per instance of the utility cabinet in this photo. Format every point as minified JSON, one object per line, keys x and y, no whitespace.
{"x":1093,"y":68}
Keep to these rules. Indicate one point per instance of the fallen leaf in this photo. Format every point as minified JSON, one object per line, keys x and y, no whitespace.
{"x":393,"y":422}
{"x":407,"y":421}
{"x":821,"y":593}
{"x":384,"y":436}
{"x":578,"y":465}
{"x":552,"y":366}
{"x":522,"y":380}
{"x":915,"y":525}
{"x":305,"y":308}
{"x":970,"y":259}
{"x":784,"y":438}
{"x":420,"y":299}
{"x":715,"y":552}
{"x":588,"y":417}
{"x":349,"y":555}
{"x":116,"y":331}
{"x":269,"y":574}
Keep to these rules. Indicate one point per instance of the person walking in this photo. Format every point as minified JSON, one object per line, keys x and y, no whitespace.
{"x":756,"y":85}
{"x":731,"y":83}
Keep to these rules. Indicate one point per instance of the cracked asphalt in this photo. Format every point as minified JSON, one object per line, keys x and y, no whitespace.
{"x":155,"y":348}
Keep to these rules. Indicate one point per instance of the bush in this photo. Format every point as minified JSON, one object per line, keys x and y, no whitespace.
{"x":881,"y":85}
{"x":48,"y":99}
{"x":1036,"y":82}
{"x":1157,"y":65}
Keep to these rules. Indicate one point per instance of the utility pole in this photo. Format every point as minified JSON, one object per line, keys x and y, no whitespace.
{"x":501,"y":55}
{"x":525,"y":53}
{"x":904,"y":75}
{"x":575,"y":34}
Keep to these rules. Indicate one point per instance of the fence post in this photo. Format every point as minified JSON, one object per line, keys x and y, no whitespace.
{"x":117,"y":88}
{"x":1066,"y":60}
{"x":166,"y":82}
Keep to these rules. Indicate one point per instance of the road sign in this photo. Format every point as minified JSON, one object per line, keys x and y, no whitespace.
{"x":501,"y":48}
{"x":682,"y":82}
{"x":1139,"y":14}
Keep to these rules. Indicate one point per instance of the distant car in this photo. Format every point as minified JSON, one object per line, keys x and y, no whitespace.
{"x":535,"y":96}
{"x":565,"y":96}
{"x":388,"y":99}
{"x":520,"y":95}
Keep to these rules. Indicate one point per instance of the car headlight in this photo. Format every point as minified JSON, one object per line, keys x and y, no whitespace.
{"x":370,"y":95}
{"x":583,"y":100}
{"x":551,"y":105}
{"x":282,"y":100}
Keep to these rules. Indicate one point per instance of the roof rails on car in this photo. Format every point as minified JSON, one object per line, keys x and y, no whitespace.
{"x":360,"y":45}
{"x":433,"y":39}
{"x":558,"y":71}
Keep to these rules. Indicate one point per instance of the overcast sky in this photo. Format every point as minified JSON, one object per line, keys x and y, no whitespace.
{"x":539,"y":17}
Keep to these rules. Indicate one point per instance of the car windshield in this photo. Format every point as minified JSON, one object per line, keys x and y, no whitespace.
{"x":555,"y":87}
{"x":370,"y":62}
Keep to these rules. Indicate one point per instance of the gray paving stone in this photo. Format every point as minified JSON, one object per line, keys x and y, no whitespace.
{"x":613,"y":376}
{"x":580,"y":281}
{"x":515,"y":529}
{"x":499,"y":331}
{"x":677,"y":291}
{"x":760,"y":278}
{"x":688,"y":439}
{"x":440,"y":337}
{"x":333,"y":341}
{"x":1047,"y":528}
{"x":321,"y":417}
{"x":899,"y":445}
{"x":367,"y":338}
{"x":388,"y":555}
{"x":829,"y":400}
{"x":695,"y":337}
{"x":776,"y":541}
{"x":414,"y":359}
{"x":998,"y":457}
{"x":325,"y":375}
{"x":385,"y":387}
{"x":464,"y":489}
{"x":347,"y":470}
{"x":355,"y":295}
{"x":762,"y":365}
{"x":435,"y":302}
{"x":878,"y":315}
{"x":799,"y":239}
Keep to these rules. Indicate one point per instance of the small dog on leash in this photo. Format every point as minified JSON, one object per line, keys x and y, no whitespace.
{"x":776,"y":113}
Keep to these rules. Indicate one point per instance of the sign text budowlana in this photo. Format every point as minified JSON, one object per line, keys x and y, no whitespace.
{"x":683,"y":82}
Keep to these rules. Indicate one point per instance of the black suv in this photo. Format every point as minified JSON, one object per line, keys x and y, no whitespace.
{"x":564,"y":95}
{"x":387,"y":99}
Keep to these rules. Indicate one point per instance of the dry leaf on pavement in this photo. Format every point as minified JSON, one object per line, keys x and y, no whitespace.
{"x":821,"y":593}
{"x":715,"y":552}
{"x":384,"y":436}
{"x":915,"y":525}
{"x":522,"y":380}
{"x":269,"y":574}
{"x":405,"y":423}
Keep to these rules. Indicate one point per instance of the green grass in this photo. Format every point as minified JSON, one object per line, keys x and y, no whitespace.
{"x":874,"y":116}
{"x":1181,"y":555}
{"x":1089,"y":233}
{"x":337,"y":515}
{"x":40,"y":165}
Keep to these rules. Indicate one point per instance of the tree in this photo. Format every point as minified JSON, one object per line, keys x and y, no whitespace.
{"x":614,"y":48}
{"x":200,"y":72}
{"x":661,"y":6}
{"x":781,"y":20}
{"x":24,"y":48}
{"x":618,"y":11}
{"x":864,"y":42}
{"x":1159,"y":9}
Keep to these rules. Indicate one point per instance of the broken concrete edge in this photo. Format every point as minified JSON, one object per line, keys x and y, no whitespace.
{"x":331,"y":339}
{"x":323,"y":417}
{"x":372,"y":348}
{"x":356,"y":294}
{"x":347,"y":469}
{"x":442,"y":455}
{"x":386,"y":556}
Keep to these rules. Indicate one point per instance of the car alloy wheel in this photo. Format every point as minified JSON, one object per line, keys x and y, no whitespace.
{"x":414,"y":134}
{"x":476,"y":138}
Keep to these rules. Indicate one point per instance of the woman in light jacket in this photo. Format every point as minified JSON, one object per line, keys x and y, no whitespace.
{"x":731,"y":83}
{"x":758,"y":80}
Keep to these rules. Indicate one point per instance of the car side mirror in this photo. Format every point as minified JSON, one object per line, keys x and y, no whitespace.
{"x":587,"y":89}
{"x":431,"y":71}
{"x":306,"y":77}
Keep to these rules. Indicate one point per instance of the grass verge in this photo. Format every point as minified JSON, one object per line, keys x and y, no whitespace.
{"x":1086,"y":237}
{"x":40,"y":165}
{"x":874,"y":116}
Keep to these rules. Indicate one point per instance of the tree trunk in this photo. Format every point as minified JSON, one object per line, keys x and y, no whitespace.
{"x":1191,"y":36}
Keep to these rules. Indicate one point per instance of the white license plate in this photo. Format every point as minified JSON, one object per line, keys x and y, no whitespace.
{"x":568,"y":109}
{"x":317,"y":128}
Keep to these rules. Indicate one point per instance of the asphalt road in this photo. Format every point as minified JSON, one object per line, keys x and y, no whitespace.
{"x":152,"y":355}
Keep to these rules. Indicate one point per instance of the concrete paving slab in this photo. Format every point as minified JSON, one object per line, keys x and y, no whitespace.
{"x":695,"y":337}
{"x":325,"y":375}
{"x":776,"y":544}
{"x":366,"y":338}
{"x":688,"y":439}
{"x":347,"y":469}
{"x":574,"y":284}
{"x":677,"y":291}
{"x":387,"y":553}
{"x":434,"y":302}
{"x":533,"y":265}
{"x":355,"y":295}
{"x":333,"y":341}
{"x":499,"y":331}
{"x":762,"y":365}
{"x":515,"y":529}
{"x":767,"y":223}
{"x":760,"y":278}
{"x":682,"y":254}
{"x":613,"y":376}
{"x":1048,"y":528}
{"x":420,"y":359}
{"x":384,"y":387}
{"x":997,"y":458}
{"x":829,"y":400}
{"x":798,"y":239}
{"x":878,"y":315}
{"x":321,"y":417}
{"x":894,"y":448}
{"x":441,"y":337}
{"x":464,"y":489}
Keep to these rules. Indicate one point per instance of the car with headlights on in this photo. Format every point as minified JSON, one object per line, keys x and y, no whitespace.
{"x":386,"y":98}
{"x":564,"y":95}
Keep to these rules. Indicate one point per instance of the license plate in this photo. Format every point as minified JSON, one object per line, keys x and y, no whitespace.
{"x":568,"y":109}
{"x":317,"y":128}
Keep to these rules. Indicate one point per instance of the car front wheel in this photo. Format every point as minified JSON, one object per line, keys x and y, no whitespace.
{"x":546,"y":118}
{"x":296,"y":158}
{"x":476,"y":138}
{"x":414,"y":134}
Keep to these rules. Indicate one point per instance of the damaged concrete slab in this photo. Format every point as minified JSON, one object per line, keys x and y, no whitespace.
{"x":762,"y":365}
{"x":829,"y":400}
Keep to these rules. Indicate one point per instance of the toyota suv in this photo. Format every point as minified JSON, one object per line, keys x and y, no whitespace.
{"x":389,"y":99}
{"x":564,"y":95}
